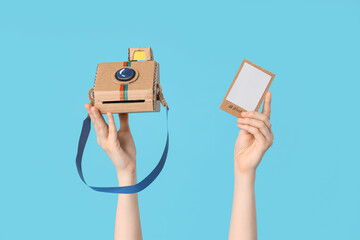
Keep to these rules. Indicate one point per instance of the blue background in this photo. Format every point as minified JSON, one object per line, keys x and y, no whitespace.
{"x":308,"y":184}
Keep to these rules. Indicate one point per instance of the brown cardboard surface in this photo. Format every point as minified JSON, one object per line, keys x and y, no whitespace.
{"x":147,"y":50}
{"x":234,"y":109}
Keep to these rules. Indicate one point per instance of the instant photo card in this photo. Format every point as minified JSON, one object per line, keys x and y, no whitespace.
{"x":247,"y":90}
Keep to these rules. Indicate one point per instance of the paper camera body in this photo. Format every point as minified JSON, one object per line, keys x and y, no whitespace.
{"x":132,"y":86}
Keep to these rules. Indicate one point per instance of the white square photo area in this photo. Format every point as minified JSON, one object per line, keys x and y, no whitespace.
{"x":249,"y":87}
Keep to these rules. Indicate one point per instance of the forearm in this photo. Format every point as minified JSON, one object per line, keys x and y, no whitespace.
{"x":243,"y":216}
{"x":127,"y":223}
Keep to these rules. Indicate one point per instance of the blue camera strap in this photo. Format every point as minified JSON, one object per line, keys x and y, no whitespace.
{"x":126,"y":189}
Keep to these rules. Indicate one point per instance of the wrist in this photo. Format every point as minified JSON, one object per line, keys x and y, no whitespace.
{"x":248,"y":175}
{"x":126,"y":177}
{"x":243,"y":168}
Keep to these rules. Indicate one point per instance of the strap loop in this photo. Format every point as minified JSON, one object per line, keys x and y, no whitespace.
{"x":161,"y":97}
{"x":126,"y":189}
{"x":91,"y":96}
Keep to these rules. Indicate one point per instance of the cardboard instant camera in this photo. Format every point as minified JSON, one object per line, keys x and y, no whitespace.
{"x":132,"y":86}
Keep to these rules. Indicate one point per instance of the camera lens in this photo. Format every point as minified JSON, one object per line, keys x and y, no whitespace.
{"x":125,"y":74}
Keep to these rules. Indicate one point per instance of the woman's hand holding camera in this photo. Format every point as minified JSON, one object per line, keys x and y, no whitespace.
{"x":118,"y":145}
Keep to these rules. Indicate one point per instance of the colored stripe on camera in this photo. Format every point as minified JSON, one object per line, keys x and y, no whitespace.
{"x":123,"y":92}
{"x":124,"y":88}
{"x":126,"y":64}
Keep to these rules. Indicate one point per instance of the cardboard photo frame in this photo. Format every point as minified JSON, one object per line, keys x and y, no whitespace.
{"x":247,"y":90}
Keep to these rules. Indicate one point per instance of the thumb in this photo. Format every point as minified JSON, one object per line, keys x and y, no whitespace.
{"x":267,"y":105}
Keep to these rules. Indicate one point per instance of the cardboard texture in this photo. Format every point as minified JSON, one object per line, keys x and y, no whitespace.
{"x":143,"y":50}
{"x":141,"y":93}
{"x":247,"y":90}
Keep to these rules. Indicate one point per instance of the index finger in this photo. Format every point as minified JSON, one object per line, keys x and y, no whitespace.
{"x":267,"y":105}
{"x":98,"y":121}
